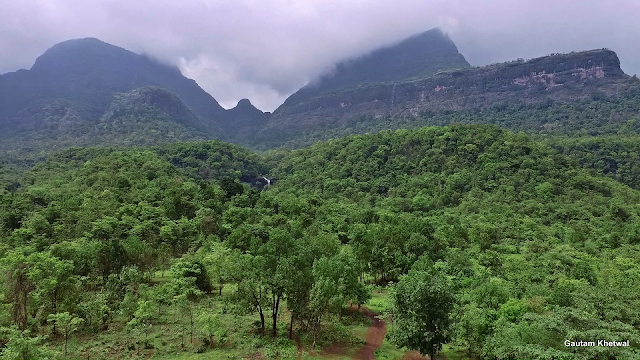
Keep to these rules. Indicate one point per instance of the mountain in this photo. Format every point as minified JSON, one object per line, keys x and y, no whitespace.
{"x":87,"y":92}
{"x":418,"y":56}
{"x":246,"y":120}
{"x":143,"y":116}
{"x":415,"y":57}
{"x":71,"y":93}
{"x":131,"y":117}
{"x":539,"y":95}
{"x":83,"y":75}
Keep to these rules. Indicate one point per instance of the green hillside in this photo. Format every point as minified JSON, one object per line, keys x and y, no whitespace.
{"x":163,"y":252}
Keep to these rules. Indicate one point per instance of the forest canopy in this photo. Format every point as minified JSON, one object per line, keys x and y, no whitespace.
{"x":528,"y":242}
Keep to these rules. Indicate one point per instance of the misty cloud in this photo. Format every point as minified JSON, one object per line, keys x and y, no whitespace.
{"x":266,"y":49}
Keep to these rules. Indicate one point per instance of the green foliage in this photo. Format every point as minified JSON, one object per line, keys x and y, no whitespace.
{"x":19,"y":345}
{"x":67,"y":324}
{"x":142,"y":320}
{"x":614,"y":156}
{"x":528,"y":245}
{"x":192,"y":270}
{"x":423,"y":300}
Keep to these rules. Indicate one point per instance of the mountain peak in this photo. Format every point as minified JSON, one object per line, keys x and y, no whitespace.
{"x":417,"y":56}
{"x":86,"y":52}
{"x":82,"y":41}
{"x":244,"y":103}
{"x":84,"y":74}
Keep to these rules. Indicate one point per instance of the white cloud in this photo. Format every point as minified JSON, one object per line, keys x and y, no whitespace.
{"x":265,"y":49}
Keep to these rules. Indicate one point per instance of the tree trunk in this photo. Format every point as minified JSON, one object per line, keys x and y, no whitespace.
{"x":291,"y":326}
{"x":54,"y":303}
{"x":66,"y":341}
{"x":274,"y":316}
{"x":315,"y":332}
{"x":182,"y":336}
{"x":191,"y":323}
{"x":316,"y":328}
{"x":261,"y":319}
{"x":220,"y":289}
{"x":20,"y":289}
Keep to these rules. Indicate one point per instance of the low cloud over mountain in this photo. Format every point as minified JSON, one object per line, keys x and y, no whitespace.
{"x":266,"y":50}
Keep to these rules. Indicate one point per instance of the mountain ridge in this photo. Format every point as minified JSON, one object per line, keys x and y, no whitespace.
{"x":70,"y":88}
{"x":89,"y":72}
{"x":562,"y":78}
{"x":418,"y":55}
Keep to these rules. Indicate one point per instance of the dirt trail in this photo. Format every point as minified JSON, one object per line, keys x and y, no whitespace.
{"x":296,"y":338}
{"x":375,"y":336}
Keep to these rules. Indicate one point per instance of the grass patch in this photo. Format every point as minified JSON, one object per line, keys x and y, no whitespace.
{"x":388,"y":351}
{"x":380,"y":301}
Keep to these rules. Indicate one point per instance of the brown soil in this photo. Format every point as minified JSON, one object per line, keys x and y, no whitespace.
{"x":296,"y":338}
{"x":375,"y":336}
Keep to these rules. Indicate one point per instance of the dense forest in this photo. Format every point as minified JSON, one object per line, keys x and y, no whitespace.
{"x":496,"y":243}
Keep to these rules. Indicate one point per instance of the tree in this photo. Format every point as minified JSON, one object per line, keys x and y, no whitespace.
{"x":222,"y":264}
{"x":18,"y":287}
{"x":423,"y":300}
{"x":187,"y":294}
{"x":335,"y":283}
{"x":190,"y":267}
{"x":96,"y":311}
{"x":252,"y":290}
{"x":66,"y":323}
{"x":55,"y":284}
{"x":211,"y":326}
{"x":142,"y":319}
{"x":267,"y":270}
{"x":20,"y":346}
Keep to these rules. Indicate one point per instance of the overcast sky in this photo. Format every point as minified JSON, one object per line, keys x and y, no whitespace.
{"x":266,"y":49}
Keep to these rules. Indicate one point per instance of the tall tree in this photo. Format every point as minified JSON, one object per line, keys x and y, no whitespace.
{"x":66,"y":323}
{"x":423,"y":300}
{"x":18,"y":287}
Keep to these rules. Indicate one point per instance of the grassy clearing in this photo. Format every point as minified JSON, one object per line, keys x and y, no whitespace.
{"x":388,"y":351}
{"x":341,"y":338}
{"x":380,"y":300}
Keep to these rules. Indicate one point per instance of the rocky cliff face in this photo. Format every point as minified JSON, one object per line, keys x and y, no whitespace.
{"x":560,"y":77}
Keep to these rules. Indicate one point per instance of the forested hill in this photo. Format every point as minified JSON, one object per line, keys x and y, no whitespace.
{"x":577,"y":93}
{"x":68,"y":96}
{"x":82,"y":75}
{"x":535,"y":243}
{"x":529,"y":248}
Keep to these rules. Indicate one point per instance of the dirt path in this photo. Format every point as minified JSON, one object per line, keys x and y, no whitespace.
{"x":296,"y":338}
{"x":375,"y":336}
